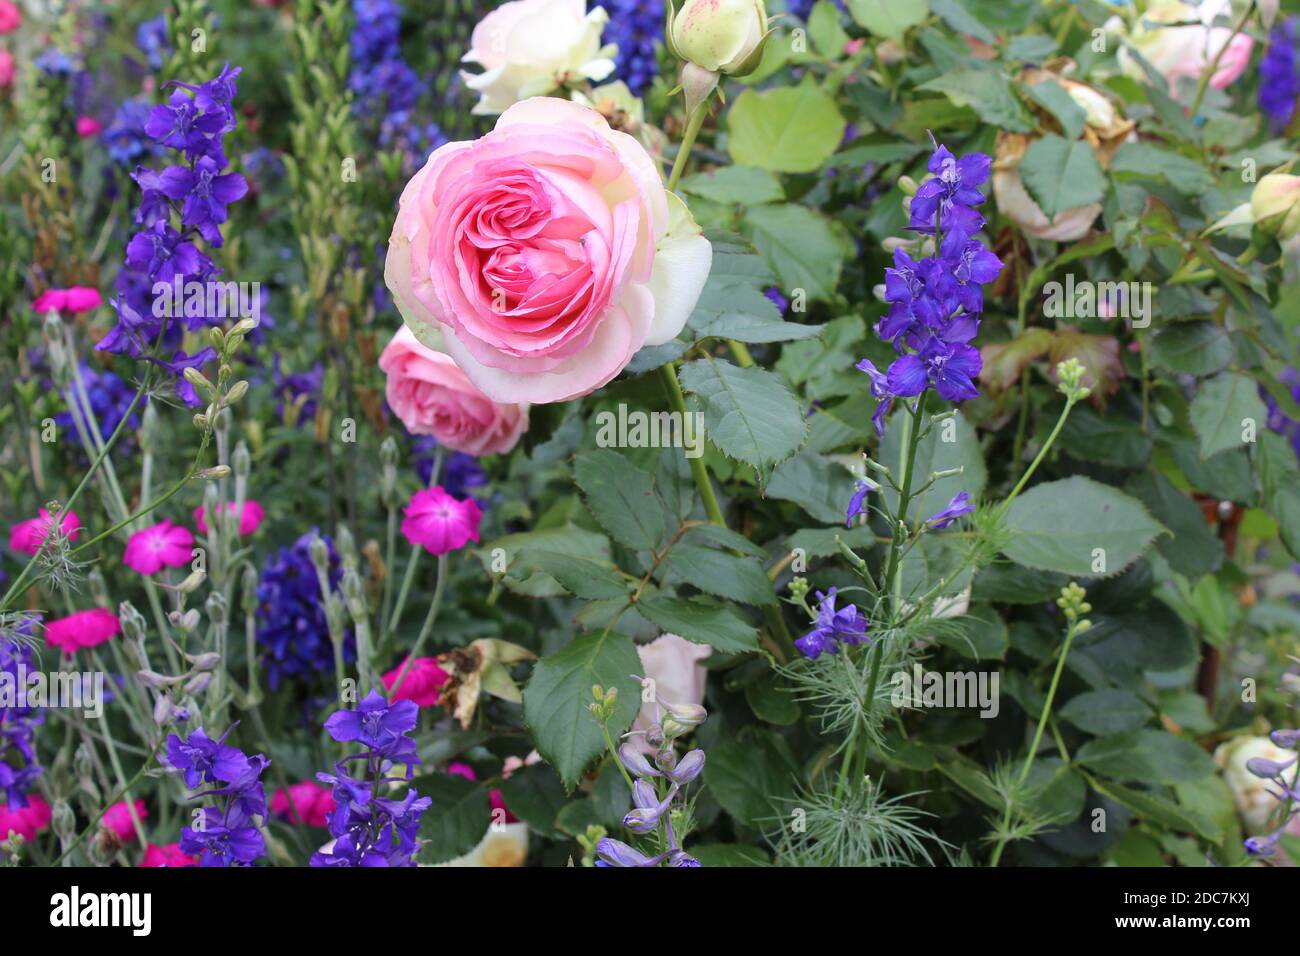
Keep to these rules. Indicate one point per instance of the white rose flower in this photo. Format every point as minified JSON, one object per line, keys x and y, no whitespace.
{"x":533,"y":47}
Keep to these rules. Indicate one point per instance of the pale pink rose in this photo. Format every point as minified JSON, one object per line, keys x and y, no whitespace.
{"x":673,"y":663}
{"x":118,"y":819}
{"x":308,"y":803}
{"x":440,"y":523}
{"x":88,"y":126}
{"x":6,"y":68}
{"x":82,"y":629}
{"x":1184,"y":52}
{"x":27,"y":536}
{"x":164,"y":545}
{"x":432,"y":396}
{"x":167,"y":856}
{"x":11,"y":18}
{"x":250,"y":516}
{"x":549,"y":252}
{"x":422,"y":682}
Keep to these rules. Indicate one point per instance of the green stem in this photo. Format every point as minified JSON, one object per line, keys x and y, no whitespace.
{"x":1203,"y":86}
{"x":1038,"y":739}
{"x":693,"y":124}
{"x":698,"y":471}
{"x":427,"y":628}
{"x":116,"y":798}
{"x":1038,"y":459}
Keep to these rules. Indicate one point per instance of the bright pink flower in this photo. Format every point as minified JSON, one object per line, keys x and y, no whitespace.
{"x":11,"y":18}
{"x":495,"y":798}
{"x":76,"y":299}
{"x":82,"y":629}
{"x":164,"y":545}
{"x":118,"y":819}
{"x":88,"y":126}
{"x":432,"y":396}
{"x":27,"y":536}
{"x":421,"y":683}
{"x":28,"y":821}
{"x":548,"y":251}
{"x":440,"y":523}
{"x":249,"y":518}
{"x":6,"y":68}
{"x":167,"y":856}
{"x":308,"y":803}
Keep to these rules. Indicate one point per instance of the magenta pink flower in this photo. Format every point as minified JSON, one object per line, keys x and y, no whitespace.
{"x":495,"y":799}
{"x":28,"y":821}
{"x":118,"y":819}
{"x":249,"y":518}
{"x":308,"y":803}
{"x":82,"y":629}
{"x":27,"y":536}
{"x":164,"y":545}
{"x":6,"y":68}
{"x":422,"y":682}
{"x":439,"y":523}
{"x":11,"y":18}
{"x":76,"y":299}
{"x":88,"y":126}
{"x":167,"y":856}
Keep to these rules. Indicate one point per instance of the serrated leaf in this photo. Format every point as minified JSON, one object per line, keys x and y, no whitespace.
{"x":557,"y":699}
{"x":701,"y":622}
{"x":1106,"y":711}
{"x":888,"y":18}
{"x":790,"y":129}
{"x":456,"y":820}
{"x":1054,"y":98}
{"x":1145,"y":160}
{"x":622,"y":498}
{"x":819,"y":486}
{"x":988,"y":92}
{"x":535,"y":795}
{"x":720,"y":573}
{"x":1061,"y":174}
{"x":1194,"y":348}
{"x":1152,"y":806}
{"x":748,"y":413}
{"x":800,"y":247}
{"x":745,"y":185}
{"x":578,"y":576}
{"x":1060,"y":525}
{"x":1146,"y":756}
{"x":1225,"y":407}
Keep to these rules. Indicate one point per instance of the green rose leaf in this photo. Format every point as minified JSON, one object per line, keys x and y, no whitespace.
{"x":789,"y":129}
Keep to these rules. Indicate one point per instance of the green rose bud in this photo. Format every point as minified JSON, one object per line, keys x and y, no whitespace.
{"x":721,"y":36}
{"x":1275,"y":204}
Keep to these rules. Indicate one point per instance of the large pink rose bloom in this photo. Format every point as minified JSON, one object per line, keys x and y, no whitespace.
{"x":432,"y":396}
{"x":28,"y":536}
{"x":549,"y":252}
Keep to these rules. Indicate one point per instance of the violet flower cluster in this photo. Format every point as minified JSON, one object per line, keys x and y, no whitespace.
{"x":935,"y":303}
{"x":18,"y":764}
{"x":655,"y":790}
{"x":226,"y":834}
{"x":832,"y":627}
{"x":1279,"y":77}
{"x":636,"y":26}
{"x":371,"y":829}
{"x":192,"y":195}
{"x":1287,"y":792}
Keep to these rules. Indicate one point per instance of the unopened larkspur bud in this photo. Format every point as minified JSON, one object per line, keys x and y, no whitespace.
{"x":248,"y":590}
{"x":1275,"y":204}
{"x":388,"y":452}
{"x":154,"y":679}
{"x":216,"y":608}
{"x":215,"y":473}
{"x":244,"y":326}
{"x":688,"y":768}
{"x":724,"y":36}
{"x":635,"y":761}
{"x":204,"y":662}
{"x":319,"y":553}
{"x":237,"y":391}
{"x":201,"y":422}
{"x":199,"y":380}
{"x":198,"y":683}
{"x":63,"y":820}
{"x":132,"y":621}
{"x":241,"y":461}
{"x":642,"y":820}
{"x":643,"y":795}
{"x":908,"y":185}
{"x":189,"y":620}
{"x":162,"y":710}
{"x":82,"y":763}
{"x":192,"y":581}
{"x":666,"y":759}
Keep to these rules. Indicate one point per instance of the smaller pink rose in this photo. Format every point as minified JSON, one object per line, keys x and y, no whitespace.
{"x":28,"y":821}
{"x":421,"y":683}
{"x":167,"y":856}
{"x":11,"y":18}
{"x":118,"y":819}
{"x":27,"y":536}
{"x":164,"y":545}
{"x":440,"y":523}
{"x":249,"y":518}
{"x":1234,"y":61}
{"x":82,"y":629}
{"x":308,"y":803}
{"x":88,"y":126}
{"x":432,"y":396}
{"x":673,"y":663}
